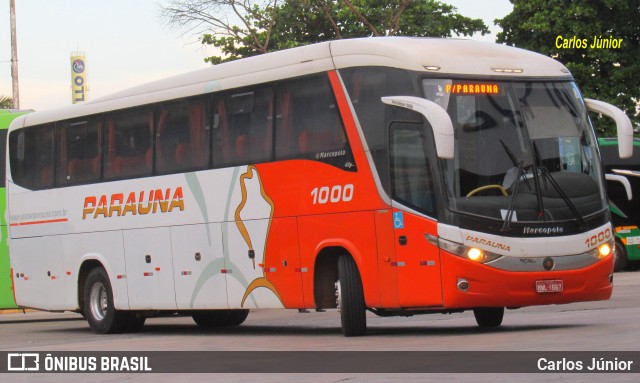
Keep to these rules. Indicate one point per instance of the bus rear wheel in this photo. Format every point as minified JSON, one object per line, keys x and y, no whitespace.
{"x":219,"y":318}
{"x":350,"y":298}
{"x":99,"y":309}
{"x":488,"y":317}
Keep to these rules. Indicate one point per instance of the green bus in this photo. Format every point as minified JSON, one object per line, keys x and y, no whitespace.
{"x":623,"y":189}
{"x":7,"y":300}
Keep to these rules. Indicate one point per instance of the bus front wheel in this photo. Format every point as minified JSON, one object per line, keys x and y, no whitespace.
{"x":350,"y":298}
{"x":99,"y":309}
{"x":488,"y":317}
{"x":620,"y":257}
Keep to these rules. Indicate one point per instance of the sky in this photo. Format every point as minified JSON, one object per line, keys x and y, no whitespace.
{"x":126,"y":44}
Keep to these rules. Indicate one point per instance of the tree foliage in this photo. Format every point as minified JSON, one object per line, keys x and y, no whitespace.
{"x":242,"y":28}
{"x":6,"y":102}
{"x":238,"y":27}
{"x":610,"y":75}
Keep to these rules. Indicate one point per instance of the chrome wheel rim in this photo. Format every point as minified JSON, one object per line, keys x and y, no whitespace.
{"x":98,"y":301}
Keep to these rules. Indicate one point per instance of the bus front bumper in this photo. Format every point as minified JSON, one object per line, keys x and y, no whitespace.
{"x":487,"y":286}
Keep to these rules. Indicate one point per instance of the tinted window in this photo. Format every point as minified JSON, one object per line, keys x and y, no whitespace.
{"x":3,"y":156}
{"x":243,"y":127}
{"x":79,"y":144}
{"x":32,"y":157}
{"x":365,"y":87}
{"x":128,"y":144}
{"x":411,"y":177}
{"x":182,"y":137}
{"x":308,"y":123}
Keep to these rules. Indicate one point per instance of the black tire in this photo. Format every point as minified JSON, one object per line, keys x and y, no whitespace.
{"x":99,"y":309}
{"x":488,"y":317}
{"x":135,"y":322}
{"x":219,"y":318}
{"x":620,"y":262}
{"x":351,"y":298}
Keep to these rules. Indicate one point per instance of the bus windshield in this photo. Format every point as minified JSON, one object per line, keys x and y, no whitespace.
{"x":524,"y":151}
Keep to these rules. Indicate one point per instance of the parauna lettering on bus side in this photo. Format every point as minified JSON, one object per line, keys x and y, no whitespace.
{"x":135,"y":203}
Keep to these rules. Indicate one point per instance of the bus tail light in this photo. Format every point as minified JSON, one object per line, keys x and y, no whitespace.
{"x":471,"y":253}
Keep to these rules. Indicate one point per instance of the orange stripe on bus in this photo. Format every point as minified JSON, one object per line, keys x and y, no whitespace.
{"x":40,"y":222}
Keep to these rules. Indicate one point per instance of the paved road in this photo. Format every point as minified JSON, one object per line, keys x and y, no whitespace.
{"x":592,"y":326}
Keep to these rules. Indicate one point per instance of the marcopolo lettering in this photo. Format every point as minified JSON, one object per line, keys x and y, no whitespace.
{"x":543,"y":230}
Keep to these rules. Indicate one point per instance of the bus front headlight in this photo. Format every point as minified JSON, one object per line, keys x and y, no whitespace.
{"x":604,"y":250}
{"x":470,"y":253}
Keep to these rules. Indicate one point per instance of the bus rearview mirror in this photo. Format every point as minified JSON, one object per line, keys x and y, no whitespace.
{"x":623,"y":124}
{"x":437,"y":117}
{"x":623,"y":180}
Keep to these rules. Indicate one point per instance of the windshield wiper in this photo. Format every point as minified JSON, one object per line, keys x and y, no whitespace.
{"x":514,"y":160}
{"x":546,"y":176}
{"x":536,"y":173}
{"x":581,"y":221}
{"x":506,"y":226}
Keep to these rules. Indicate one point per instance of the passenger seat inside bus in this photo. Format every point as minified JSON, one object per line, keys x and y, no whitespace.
{"x":46,"y":176}
{"x":132,"y":165}
{"x":311,"y":142}
{"x":83,"y":169}
{"x":182,"y":156}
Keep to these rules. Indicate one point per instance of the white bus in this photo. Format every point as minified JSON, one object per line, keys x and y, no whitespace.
{"x":397,"y":175}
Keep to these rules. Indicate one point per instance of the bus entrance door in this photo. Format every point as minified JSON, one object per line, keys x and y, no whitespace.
{"x":417,"y":261}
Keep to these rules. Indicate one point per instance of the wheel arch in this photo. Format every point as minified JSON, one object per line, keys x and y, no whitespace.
{"x":90,"y":262}
{"x":325,"y":270}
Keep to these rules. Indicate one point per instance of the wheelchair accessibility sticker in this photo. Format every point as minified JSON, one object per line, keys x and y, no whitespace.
{"x":398,"y":220}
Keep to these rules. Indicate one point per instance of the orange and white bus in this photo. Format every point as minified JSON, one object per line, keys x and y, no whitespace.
{"x":397,"y":175}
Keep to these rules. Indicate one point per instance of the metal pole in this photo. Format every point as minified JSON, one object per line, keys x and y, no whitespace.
{"x":14,"y":56}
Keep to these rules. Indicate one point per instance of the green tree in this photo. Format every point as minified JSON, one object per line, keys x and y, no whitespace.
{"x":606,"y":74}
{"x":242,"y":28}
{"x":239,"y":28}
{"x":6,"y":102}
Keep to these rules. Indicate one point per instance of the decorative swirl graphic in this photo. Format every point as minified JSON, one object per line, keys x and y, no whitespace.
{"x":261,"y":281}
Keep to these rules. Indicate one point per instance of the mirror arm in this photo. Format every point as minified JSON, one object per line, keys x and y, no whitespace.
{"x":623,"y":124}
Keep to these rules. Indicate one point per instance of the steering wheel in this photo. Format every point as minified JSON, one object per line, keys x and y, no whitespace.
{"x":485,"y":187}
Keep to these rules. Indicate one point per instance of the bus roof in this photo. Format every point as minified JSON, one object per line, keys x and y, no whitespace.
{"x":430,"y":55}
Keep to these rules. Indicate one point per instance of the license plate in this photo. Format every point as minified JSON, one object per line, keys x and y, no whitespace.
{"x":549,"y":286}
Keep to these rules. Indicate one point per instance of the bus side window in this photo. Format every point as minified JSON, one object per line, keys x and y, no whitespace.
{"x":128,"y":140}
{"x":221,"y":150}
{"x":182,"y":137}
{"x":411,"y":178}
{"x":366,"y":85}
{"x":78,"y":152}
{"x":253,"y":126}
{"x":243,"y":126}
{"x":32,"y":157}
{"x":308,"y":123}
